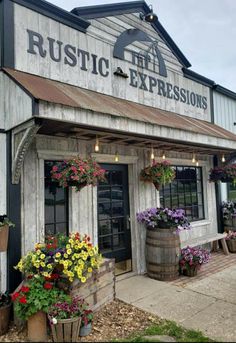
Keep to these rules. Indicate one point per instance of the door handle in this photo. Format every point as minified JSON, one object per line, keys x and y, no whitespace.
{"x":128,"y":222}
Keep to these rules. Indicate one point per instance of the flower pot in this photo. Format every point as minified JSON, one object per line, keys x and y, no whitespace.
{"x":4,"y":232}
{"x":66,"y":330}
{"x":231,"y":243}
{"x":37,"y":327}
{"x":162,"y":254}
{"x":4,"y":319}
{"x":190,"y":272}
{"x":85,"y":330}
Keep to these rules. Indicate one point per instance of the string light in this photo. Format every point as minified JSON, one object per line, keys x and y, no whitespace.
{"x":194,"y":158}
{"x":116,"y":157}
{"x":223,"y":158}
{"x":163,"y":156}
{"x":152,"y":154}
{"x":96,"y":147}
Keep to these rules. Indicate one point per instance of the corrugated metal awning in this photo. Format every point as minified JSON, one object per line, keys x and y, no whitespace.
{"x":64,"y":94}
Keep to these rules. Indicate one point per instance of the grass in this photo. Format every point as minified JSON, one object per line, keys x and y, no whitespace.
{"x":168,"y":328}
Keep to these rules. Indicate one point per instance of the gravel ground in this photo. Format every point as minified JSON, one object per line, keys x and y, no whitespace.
{"x":115,"y":320}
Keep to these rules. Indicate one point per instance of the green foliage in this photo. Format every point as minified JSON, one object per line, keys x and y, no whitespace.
{"x":4,"y":220}
{"x":159,"y":173}
{"x":36,"y":295}
{"x":5,"y":299}
{"x":168,"y":328}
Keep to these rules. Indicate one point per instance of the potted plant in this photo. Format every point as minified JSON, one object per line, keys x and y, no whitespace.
{"x":159,"y":173}
{"x":5,"y":307}
{"x":62,"y":257}
{"x":191,"y":260}
{"x":162,"y":241}
{"x":231,"y":241}
{"x":78,"y":172}
{"x":229,"y":213}
{"x":5,"y":223}
{"x":65,"y":319}
{"x":230,"y":171}
{"x":31,"y":303}
{"x":86,"y":322}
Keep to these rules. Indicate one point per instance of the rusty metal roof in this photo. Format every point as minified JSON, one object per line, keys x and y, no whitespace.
{"x":64,"y":94}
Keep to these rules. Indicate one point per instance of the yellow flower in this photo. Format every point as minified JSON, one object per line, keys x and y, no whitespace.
{"x":83,"y":279}
{"x":76,"y":247}
{"x":49,"y":266}
{"x":90,"y":270}
{"x":69,"y":251}
{"x":71,"y":279}
{"x":91,"y":253}
{"x":42,"y":264}
{"x":58,"y":254}
{"x":38,"y":252}
{"x":65,"y":255}
{"x":67,"y":246}
{"x":42,"y":256}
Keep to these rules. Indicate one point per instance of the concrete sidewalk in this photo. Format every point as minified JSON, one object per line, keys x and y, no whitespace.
{"x":208,"y":305}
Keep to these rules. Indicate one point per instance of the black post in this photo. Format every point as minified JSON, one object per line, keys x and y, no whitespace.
{"x":14,"y":213}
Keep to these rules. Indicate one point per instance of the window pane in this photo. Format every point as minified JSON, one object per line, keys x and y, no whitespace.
{"x":185,"y":192}
{"x":232,"y":192}
{"x":104,"y":227}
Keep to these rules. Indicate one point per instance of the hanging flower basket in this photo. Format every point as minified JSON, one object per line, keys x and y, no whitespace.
{"x":159,"y":173}
{"x":225,"y":174}
{"x":78,"y":173}
{"x":5,"y":223}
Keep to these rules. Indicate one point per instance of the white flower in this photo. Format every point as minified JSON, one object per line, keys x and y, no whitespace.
{"x":54,"y":321}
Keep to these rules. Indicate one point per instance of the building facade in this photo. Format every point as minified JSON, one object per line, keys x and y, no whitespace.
{"x":100,"y":73}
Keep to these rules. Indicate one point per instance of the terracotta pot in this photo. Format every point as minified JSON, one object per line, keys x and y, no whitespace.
{"x":4,"y":232}
{"x":4,"y":319}
{"x":66,"y":330}
{"x":37,"y":327}
{"x":190,"y":272}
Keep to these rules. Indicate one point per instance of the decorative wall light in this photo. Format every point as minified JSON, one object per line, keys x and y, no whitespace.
{"x":96,"y":147}
{"x":197,"y":163}
{"x":119,"y":72}
{"x":164,"y":155}
{"x":116,"y":157}
{"x":194,"y":158}
{"x":150,"y":17}
{"x":223,"y":158}
{"x":152,"y":154}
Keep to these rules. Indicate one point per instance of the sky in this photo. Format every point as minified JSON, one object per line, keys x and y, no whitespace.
{"x":205,"y":32}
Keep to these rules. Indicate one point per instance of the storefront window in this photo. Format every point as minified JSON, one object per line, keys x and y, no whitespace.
{"x":56,"y":205}
{"x":185,"y":192}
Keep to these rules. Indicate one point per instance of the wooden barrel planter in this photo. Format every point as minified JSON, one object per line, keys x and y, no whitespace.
{"x":231,"y":243}
{"x":4,"y":319}
{"x":162,"y":254}
{"x":230,"y":224}
{"x":66,"y":330}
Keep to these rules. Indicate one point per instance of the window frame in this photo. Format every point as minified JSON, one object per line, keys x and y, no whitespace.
{"x":201,"y":192}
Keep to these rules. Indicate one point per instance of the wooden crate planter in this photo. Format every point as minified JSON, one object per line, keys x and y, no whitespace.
{"x":37,"y":327}
{"x":99,"y":289}
{"x":4,"y":233}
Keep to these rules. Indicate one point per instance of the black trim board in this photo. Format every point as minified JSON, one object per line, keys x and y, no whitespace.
{"x":7,"y":34}
{"x":2,"y":131}
{"x":192,"y":75}
{"x":14,"y":213}
{"x":92,"y":12}
{"x":54,"y":12}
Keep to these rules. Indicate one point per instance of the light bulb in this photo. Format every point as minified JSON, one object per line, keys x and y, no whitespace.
{"x":116,"y":157}
{"x":223,"y":158}
{"x":163,"y":156}
{"x":194,"y":158}
{"x":197,"y":163}
{"x":152,"y":154}
{"x":96,"y":148}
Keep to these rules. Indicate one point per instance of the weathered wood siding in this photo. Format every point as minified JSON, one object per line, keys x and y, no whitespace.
{"x":60,"y":112}
{"x":224,"y":111}
{"x":99,"y":40}
{"x":83,"y":205}
{"x":3,"y":205}
{"x":15,"y":104}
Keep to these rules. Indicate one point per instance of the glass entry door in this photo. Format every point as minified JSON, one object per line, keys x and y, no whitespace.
{"x":114,"y":236}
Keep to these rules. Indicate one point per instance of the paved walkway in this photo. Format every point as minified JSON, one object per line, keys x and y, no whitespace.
{"x":206,"y":303}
